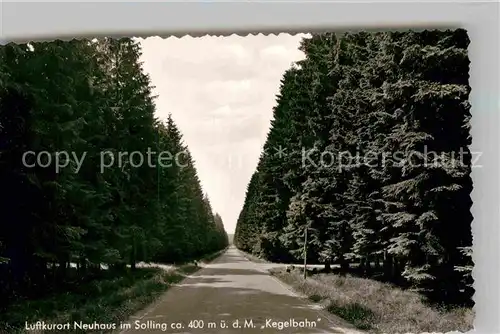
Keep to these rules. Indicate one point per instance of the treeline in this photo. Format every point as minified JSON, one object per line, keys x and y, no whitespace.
{"x":86,"y":97}
{"x":368,"y":150}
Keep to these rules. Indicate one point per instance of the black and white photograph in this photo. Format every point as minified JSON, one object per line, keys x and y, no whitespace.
{"x":317,"y":182}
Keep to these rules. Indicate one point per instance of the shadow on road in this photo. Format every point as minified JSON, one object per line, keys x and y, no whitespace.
{"x":234,"y":259}
{"x":233,"y":295}
{"x":220,"y":307}
{"x":220,"y":297}
{"x":223,"y":271}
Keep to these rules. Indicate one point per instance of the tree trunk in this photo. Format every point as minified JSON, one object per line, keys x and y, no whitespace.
{"x":368,"y":266}
{"x":397,"y":270}
{"x":376,"y":259}
{"x":344,"y":265}
{"x":83,"y":266}
{"x":388,"y":266}
{"x":133,"y":255}
{"x":62,"y":268}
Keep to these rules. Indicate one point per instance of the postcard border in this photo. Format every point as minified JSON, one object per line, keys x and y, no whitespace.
{"x":22,"y":21}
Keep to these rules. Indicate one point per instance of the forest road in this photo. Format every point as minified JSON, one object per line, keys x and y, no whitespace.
{"x":234,"y":295}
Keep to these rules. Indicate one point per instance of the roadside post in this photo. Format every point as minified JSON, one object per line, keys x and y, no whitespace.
{"x":305,"y":252}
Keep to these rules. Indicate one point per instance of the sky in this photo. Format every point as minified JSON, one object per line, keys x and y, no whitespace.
{"x":220,"y":92}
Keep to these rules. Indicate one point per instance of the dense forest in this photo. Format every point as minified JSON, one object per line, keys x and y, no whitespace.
{"x":74,"y":209}
{"x":368,"y":154}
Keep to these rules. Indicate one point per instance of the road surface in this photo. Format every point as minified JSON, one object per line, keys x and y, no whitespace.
{"x":234,"y":295}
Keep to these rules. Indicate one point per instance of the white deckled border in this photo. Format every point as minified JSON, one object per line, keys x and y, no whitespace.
{"x":22,"y":21}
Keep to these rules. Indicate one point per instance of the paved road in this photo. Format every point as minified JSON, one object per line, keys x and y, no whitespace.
{"x":230,"y":289}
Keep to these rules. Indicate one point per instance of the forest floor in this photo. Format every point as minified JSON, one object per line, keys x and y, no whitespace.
{"x":108,"y":299}
{"x":374,"y":306}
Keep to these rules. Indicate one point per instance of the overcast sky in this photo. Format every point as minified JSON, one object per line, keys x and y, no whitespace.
{"x":220,"y":92}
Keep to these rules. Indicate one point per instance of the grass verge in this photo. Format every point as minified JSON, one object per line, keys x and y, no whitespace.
{"x":376,"y":307}
{"x":112,"y":298}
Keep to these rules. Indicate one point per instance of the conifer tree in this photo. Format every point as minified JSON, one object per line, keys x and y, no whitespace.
{"x":91,"y":100}
{"x":384,"y":181}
